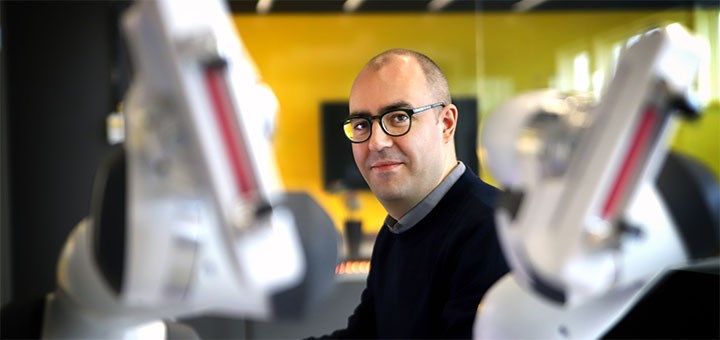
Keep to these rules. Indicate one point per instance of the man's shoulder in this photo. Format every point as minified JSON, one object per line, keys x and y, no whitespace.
{"x":476,"y":192}
{"x":469,"y":209}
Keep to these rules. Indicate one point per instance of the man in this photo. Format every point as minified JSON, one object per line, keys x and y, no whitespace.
{"x":437,"y":252}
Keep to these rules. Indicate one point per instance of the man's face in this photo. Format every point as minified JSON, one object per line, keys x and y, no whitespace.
{"x":399,"y":170}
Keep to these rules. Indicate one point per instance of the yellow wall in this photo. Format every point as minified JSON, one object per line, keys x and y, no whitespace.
{"x":701,"y":138}
{"x":308,"y":59}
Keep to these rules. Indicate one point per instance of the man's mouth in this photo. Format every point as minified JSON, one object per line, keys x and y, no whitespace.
{"x":384,"y":165}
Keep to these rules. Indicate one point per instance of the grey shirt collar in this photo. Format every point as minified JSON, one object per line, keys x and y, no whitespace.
{"x":422,"y":209}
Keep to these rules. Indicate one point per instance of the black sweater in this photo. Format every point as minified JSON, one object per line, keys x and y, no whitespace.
{"x":427,"y":282}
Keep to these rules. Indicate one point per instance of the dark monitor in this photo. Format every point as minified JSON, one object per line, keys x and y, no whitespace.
{"x":339,"y":169}
{"x":466,"y":132}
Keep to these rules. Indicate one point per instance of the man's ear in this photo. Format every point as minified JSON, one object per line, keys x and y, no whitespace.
{"x":448,"y":119}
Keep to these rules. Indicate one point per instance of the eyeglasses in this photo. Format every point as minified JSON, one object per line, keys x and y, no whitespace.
{"x":396,"y":123}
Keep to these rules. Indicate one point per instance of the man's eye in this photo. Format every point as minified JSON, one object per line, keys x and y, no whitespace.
{"x":399,"y":118}
{"x":359,"y":125}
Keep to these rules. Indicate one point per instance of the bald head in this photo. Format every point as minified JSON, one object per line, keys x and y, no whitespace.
{"x":434,"y":78}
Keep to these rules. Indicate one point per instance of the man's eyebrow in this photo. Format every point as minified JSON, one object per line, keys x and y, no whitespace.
{"x":360,"y":114}
{"x":395,"y":106}
{"x":386,"y":108}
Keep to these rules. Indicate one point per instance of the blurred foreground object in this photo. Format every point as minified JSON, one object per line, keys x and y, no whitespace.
{"x":189,"y":217}
{"x":585,"y":221}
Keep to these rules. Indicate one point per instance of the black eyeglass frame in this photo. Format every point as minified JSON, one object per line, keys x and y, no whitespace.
{"x":370,"y":119}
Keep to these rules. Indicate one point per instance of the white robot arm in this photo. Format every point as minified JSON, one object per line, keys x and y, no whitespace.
{"x":581,"y":222}
{"x":195,"y":205}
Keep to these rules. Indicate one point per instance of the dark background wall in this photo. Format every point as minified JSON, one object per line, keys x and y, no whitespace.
{"x":4,"y":243}
{"x":61,"y":76}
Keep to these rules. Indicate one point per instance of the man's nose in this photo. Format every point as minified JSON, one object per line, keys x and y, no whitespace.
{"x":379,"y":139}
